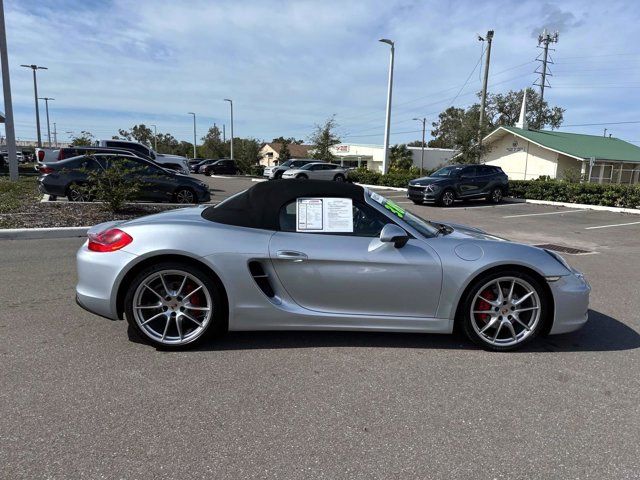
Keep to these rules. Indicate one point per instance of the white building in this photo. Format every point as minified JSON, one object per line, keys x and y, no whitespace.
{"x":371,"y":156}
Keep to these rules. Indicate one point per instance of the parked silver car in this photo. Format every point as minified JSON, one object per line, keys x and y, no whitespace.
{"x":274,"y":172}
{"x":317,"y":255}
{"x":317,"y":171}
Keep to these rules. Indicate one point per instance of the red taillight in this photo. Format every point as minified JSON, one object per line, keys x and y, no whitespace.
{"x":44,"y":169}
{"x":40,"y":155}
{"x":109,"y":240}
{"x":61,"y":155}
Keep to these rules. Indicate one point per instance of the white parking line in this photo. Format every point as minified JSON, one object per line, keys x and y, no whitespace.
{"x":546,"y":213}
{"x":614,"y":225}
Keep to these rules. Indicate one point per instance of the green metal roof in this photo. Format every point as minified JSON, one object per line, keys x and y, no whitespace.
{"x":583,"y":146}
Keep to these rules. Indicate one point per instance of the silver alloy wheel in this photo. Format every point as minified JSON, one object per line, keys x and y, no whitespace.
{"x":448,"y":198}
{"x":184,"y":195}
{"x":77,"y":194}
{"x":505,"y":311}
{"x":339,"y":178}
{"x":172,"y":307}
{"x":496,"y":195}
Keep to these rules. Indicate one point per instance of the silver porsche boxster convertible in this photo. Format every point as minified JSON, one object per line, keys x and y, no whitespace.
{"x":314,"y":255}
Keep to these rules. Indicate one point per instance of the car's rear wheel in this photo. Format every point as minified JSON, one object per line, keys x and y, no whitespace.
{"x":78,"y":193}
{"x":339,"y":178}
{"x":302,"y":176}
{"x":184,"y":195}
{"x":447,"y":198}
{"x":173,"y":305}
{"x":496,"y":195}
{"x":504,"y":310}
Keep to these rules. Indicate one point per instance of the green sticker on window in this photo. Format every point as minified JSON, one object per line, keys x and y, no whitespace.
{"x":394,"y":208}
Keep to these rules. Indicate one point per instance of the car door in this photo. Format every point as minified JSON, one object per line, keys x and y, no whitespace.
{"x":467,"y":186}
{"x":483,"y":179}
{"x":354,"y":273}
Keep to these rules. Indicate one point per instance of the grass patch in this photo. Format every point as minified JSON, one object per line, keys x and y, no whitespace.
{"x":16,"y":195}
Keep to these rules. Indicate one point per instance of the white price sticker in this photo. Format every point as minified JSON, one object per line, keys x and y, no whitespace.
{"x":324,"y":215}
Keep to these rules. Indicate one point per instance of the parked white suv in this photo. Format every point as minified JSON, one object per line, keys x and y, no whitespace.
{"x":174,"y":162}
{"x":318,"y":171}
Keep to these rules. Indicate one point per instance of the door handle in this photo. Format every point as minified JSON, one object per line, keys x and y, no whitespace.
{"x":291,"y":255}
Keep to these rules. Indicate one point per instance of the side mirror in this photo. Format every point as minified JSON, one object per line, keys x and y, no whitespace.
{"x":395,"y":234}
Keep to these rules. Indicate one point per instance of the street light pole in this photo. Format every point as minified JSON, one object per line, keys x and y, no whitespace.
{"x":55,"y":135}
{"x":387,"y":123}
{"x":35,"y":91}
{"x":231,"y":103}
{"x":8,"y":107}
{"x":424,"y":126}
{"x":46,"y":106}
{"x":194,"y":133}
{"x":155,"y":138}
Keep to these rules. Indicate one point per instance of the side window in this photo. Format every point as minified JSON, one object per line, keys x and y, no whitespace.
{"x":330,"y":167}
{"x":367,"y":221}
{"x":469,"y":172}
{"x":483,"y":170}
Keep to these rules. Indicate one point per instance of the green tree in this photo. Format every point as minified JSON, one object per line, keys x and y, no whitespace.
{"x":166,"y":143}
{"x":416,"y":143}
{"x":139,"y":133}
{"x":323,"y":138}
{"x":504,"y":109}
{"x":246,"y":152}
{"x":85,"y":139}
{"x":212,"y":145}
{"x":401,"y":158}
{"x":284,"y":154}
{"x":289,"y":140}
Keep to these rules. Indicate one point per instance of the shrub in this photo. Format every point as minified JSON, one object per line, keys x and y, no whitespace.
{"x":611,"y":195}
{"x":256,"y":170}
{"x":115,"y":185}
{"x":396,"y":178}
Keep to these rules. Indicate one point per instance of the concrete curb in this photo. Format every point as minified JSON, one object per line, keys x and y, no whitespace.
{"x":40,"y":233}
{"x":582,"y":206}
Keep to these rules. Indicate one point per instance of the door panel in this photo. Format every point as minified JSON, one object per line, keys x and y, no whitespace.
{"x":468,"y":185}
{"x":357,"y":275}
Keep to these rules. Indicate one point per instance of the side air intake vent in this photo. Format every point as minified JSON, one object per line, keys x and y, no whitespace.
{"x":261,"y":278}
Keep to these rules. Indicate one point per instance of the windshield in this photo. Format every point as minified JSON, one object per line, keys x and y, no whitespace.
{"x":447,"y":172}
{"x":423,"y":226}
{"x":286,"y":164}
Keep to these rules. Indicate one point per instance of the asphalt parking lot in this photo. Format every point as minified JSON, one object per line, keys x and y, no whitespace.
{"x":82,"y":401}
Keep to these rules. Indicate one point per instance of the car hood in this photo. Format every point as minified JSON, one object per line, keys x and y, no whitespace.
{"x":471,"y":233}
{"x":294,"y":171}
{"x":428,"y":181}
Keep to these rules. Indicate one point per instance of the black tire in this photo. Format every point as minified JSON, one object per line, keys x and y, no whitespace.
{"x":77,"y":193}
{"x":496,"y":195}
{"x":339,"y":178}
{"x":302,"y":176}
{"x":278,"y":175}
{"x":185,"y":195}
{"x":418,"y":202}
{"x":217,"y":323}
{"x":464,"y":317}
{"x":447,"y":198}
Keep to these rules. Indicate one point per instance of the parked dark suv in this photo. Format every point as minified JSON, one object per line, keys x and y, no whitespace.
{"x":221,"y":167}
{"x":460,"y":182}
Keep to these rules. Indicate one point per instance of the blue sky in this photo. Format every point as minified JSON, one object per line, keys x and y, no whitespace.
{"x":289,"y":65}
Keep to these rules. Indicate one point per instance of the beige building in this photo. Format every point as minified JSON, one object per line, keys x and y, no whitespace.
{"x":526,"y":154}
{"x":371,"y":156}
{"x":270,"y":152}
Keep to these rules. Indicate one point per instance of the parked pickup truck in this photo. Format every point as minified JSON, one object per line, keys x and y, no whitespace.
{"x":173,"y":162}
{"x":46,"y":155}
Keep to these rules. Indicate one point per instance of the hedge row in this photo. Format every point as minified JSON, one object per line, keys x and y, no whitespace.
{"x":398,"y":178}
{"x":610,"y":195}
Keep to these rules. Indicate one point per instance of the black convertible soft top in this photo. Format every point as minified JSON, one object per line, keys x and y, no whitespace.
{"x":259,"y":206}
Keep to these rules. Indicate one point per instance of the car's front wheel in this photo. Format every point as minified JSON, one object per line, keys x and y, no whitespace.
{"x":173,"y":305}
{"x":496,"y":195}
{"x":339,"y":178}
{"x":447,"y":198}
{"x":185,"y":195}
{"x":504,"y":310}
{"x":302,"y":176}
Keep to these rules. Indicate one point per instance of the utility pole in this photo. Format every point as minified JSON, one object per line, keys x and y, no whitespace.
{"x":387,"y":123}
{"x":194,"y":133}
{"x":424,"y":127}
{"x":46,"y":106}
{"x":55,"y":135}
{"x":483,"y":98}
{"x":35,"y":91}
{"x":231,"y":104}
{"x":544,"y":39}
{"x":8,"y":106}
{"x":155,"y":138}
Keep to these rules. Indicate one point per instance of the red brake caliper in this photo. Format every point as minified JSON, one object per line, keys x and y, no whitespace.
{"x":482,"y":305}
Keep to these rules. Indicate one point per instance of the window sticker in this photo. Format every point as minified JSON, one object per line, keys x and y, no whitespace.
{"x":324,"y":215}
{"x":393,"y":207}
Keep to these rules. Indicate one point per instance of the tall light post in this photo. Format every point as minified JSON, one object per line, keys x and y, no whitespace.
{"x":387,"y":123}
{"x":155,"y":137}
{"x":8,"y":107}
{"x":424,"y":127}
{"x":194,"y":133}
{"x":46,"y":106}
{"x":35,"y":91}
{"x":231,"y":104}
